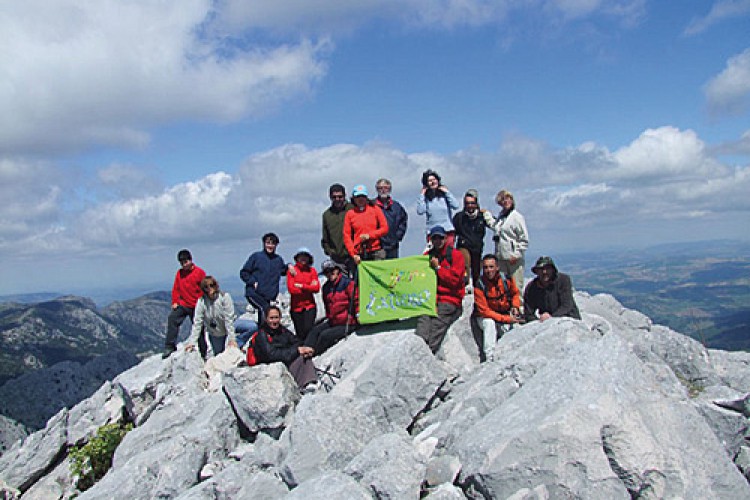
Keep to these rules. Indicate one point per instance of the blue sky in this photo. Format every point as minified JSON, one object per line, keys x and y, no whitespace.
{"x":133,"y":129}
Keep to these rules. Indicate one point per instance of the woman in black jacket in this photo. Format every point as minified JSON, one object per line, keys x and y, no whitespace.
{"x":275,"y":343}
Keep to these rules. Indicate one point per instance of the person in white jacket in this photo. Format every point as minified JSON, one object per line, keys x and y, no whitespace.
{"x":214,"y":311}
{"x":511,"y":236}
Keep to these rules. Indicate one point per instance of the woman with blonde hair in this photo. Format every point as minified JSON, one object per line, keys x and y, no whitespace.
{"x":214,"y":311}
{"x":511,"y":236}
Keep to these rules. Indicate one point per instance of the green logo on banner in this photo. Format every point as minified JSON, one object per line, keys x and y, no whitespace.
{"x":396,"y":289}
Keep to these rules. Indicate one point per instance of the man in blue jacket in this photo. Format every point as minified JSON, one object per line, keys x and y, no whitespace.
{"x":261,"y":274}
{"x":396,"y":217}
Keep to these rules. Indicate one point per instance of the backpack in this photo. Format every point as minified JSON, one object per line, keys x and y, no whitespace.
{"x":503,"y":282}
{"x":251,"y":358}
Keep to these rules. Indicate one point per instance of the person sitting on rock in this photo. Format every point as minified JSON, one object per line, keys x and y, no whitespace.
{"x":340,"y":301}
{"x":497,"y":304}
{"x":449,"y":266}
{"x":275,"y":343}
{"x":214,"y":311}
{"x":550,"y":294}
{"x":303,"y":286}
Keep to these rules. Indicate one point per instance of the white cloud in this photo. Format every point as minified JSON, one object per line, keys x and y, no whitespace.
{"x":665,"y":178}
{"x":77,"y":73}
{"x":720,"y":11}
{"x":729,"y":91}
{"x":187,"y":207}
{"x":664,"y":153}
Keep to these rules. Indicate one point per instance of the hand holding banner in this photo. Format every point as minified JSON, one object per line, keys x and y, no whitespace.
{"x":396,"y":289}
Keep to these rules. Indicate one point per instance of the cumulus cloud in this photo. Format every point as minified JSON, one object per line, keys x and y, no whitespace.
{"x":729,"y":91}
{"x":720,"y":11}
{"x":190,"y":206}
{"x":81,"y":73}
{"x":663,"y":174}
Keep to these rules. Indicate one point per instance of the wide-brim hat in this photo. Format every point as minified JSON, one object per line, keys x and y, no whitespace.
{"x":542,"y":262}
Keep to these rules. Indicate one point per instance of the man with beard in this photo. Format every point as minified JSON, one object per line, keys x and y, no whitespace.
{"x":333,"y":227}
{"x":550,"y":294}
{"x":395,"y":215}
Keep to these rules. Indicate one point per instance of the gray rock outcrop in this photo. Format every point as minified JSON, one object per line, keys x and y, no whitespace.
{"x":611,"y":406}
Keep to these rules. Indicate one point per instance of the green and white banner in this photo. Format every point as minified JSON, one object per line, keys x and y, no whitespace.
{"x":396,"y":289}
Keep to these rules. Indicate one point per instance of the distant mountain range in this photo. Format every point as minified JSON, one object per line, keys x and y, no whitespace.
{"x":71,"y":328}
{"x":700,"y":289}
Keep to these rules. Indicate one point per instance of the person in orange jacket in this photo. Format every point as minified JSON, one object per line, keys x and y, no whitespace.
{"x":302,"y":286}
{"x":364,"y":225}
{"x":497,"y":304}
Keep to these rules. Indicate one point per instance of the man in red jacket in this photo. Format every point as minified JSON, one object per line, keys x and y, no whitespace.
{"x":449,"y":266}
{"x":497,"y":304}
{"x":186,"y":291}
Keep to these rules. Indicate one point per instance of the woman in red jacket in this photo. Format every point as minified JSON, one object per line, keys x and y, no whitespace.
{"x":364,"y":225}
{"x":302,"y":286}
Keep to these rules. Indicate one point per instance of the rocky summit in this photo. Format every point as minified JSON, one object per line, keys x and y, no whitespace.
{"x":611,"y":406}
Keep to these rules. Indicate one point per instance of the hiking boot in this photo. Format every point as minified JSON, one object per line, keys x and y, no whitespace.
{"x":168,"y":351}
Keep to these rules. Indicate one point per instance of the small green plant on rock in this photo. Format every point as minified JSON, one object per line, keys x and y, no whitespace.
{"x":92,"y":460}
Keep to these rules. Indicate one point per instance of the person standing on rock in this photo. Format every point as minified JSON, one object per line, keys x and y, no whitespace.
{"x":511,"y":236}
{"x":274,"y":343}
{"x":303,"y":286}
{"x":186,"y":291}
{"x":437,"y":204}
{"x":261,"y":274}
{"x":333,"y":227}
{"x":497,"y":304}
{"x":395,"y":215}
{"x":470,"y":228}
{"x":214,"y":312}
{"x":449,"y":267}
{"x":550,"y":294}
{"x":364,"y":225}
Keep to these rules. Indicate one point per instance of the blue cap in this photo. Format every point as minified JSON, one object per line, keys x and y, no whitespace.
{"x":437,"y":231}
{"x":359,"y":190}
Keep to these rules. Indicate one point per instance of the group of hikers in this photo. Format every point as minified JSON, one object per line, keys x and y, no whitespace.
{"x":364,"y":229}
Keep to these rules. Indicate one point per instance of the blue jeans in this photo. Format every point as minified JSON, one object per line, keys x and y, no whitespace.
{"x":244,"y":329}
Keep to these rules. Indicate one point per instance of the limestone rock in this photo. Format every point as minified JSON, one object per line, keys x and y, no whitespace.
{"x":390,"y":466}
{"x":30,"y":459}
{"x":330,"y":485}
{"x":596,"y":425}
{"x":106,"y":406}
{"x":263,"y":396}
